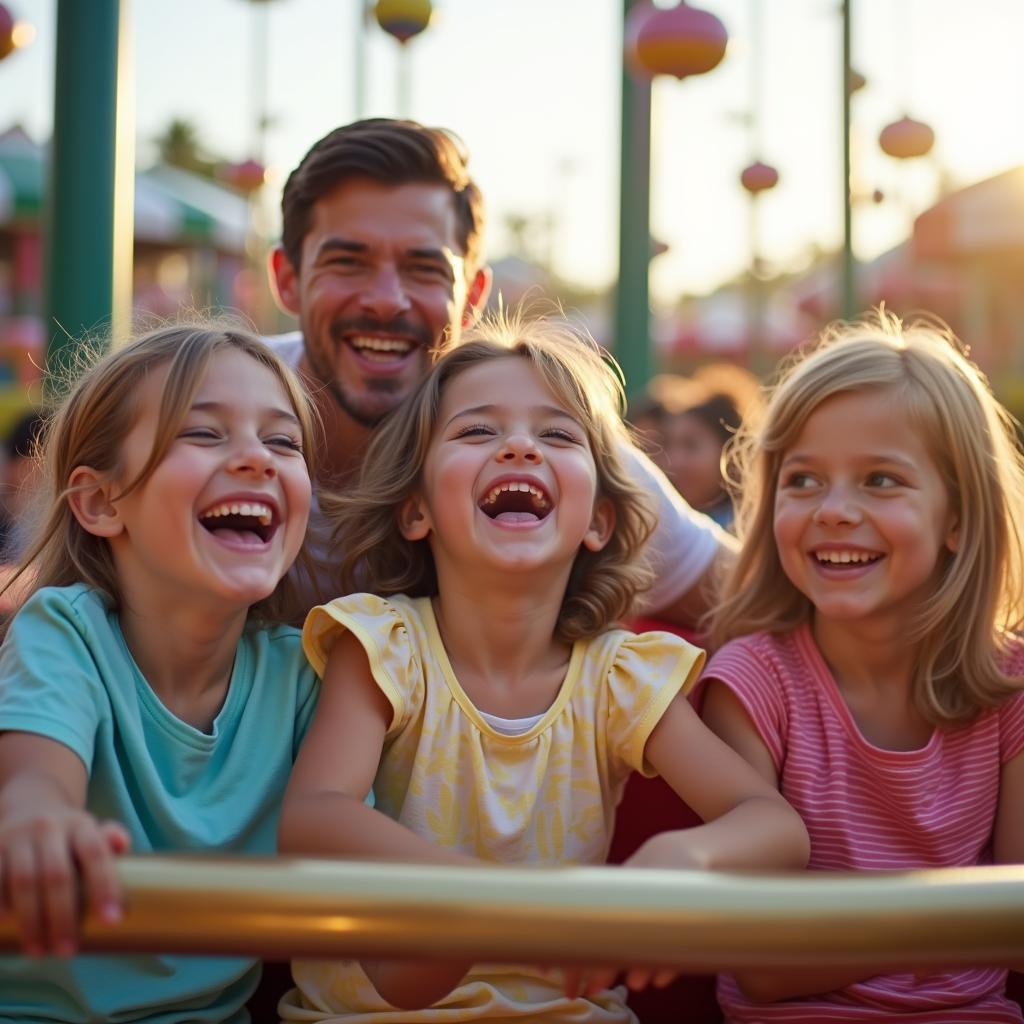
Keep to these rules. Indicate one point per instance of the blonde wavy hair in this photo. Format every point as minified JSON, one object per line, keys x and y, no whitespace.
{"x":961,"y":630}
{"x":602,"y":585}
{"x":87,"y":428}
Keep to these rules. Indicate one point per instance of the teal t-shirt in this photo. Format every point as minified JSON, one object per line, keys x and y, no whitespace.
{"x":66,"y":673}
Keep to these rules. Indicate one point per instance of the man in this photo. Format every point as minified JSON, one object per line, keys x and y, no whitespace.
{"x":381,"y":261}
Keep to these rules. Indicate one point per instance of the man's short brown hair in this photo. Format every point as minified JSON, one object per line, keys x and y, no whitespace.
{"x":391,"y":152}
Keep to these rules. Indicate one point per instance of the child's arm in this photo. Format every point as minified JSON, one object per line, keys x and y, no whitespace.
{"x":1008,"y":833}
{"x":45,"y":834}
{"x":324,"y":810}
{"x":747,"y":822}
{"x":725,"y":715}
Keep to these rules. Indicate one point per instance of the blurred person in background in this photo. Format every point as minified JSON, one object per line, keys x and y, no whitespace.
{"x":17,"y":483}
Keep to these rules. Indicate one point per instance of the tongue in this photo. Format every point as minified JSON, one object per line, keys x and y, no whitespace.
{"x":240,"y":538}
{"x":516,"y":517}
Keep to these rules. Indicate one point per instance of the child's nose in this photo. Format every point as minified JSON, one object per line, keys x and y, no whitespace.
{"x":837,"y":505}
{"x":519,"y":446}
{"x":253,"y":458}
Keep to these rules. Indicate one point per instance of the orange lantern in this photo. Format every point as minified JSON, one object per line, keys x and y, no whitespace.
{"x":679,"y":41}
{"x":403,"y":19}
{"x":7,"y":40}
{"x":906,"y":138}
{"x":759,"y":177}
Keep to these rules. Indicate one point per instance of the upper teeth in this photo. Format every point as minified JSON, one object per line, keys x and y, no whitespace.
{"x":246,"y":508}
{"x":382,"y":344}
{"x":844,"y":556}
{"x":516,"y":485}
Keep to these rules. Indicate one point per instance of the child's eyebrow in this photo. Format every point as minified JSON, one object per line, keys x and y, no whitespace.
{"x":492,"y":410}
{"x":271,"y":410}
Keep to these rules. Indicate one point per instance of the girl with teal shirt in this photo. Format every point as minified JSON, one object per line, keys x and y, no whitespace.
{"x":146,"y":700}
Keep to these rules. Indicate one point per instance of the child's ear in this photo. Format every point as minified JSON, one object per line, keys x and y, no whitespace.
{"x":414,"y":519}
{"x":601,"y":525}
{"x":90,"y":502}
{"x":953,"y":537}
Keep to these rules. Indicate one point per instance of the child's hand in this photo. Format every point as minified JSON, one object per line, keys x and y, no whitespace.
{"x":41,"y":854}
{"x":588,"y":981}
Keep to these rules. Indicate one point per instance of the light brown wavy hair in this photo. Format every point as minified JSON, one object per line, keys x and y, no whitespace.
{"x":961,"y":631}
{"x":375,"y":556}
{"x":88,"y":427}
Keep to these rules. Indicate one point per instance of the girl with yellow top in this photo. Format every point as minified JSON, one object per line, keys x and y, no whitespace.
{"x":486,"y":694}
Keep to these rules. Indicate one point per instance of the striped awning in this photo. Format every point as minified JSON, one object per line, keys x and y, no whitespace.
{"x":172,"y":206}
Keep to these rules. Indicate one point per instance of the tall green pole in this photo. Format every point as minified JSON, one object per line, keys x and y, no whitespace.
{"x":91,"y":175}
{"x":632,"y":304}
{"x":849,"y":267}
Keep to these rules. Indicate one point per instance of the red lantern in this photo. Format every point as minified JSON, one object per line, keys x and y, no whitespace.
{"x":759,"y":177}
{"x":679,"y":41}
{"x":403,"y":19}
{"x":7,"y":42}
{"x":906,"y":138}
{"x":246,"y":176}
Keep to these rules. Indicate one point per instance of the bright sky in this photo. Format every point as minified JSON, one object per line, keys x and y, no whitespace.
{"x":533,"y":88}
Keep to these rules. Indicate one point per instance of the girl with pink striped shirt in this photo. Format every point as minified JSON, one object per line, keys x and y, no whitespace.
{"x":869,"y":666}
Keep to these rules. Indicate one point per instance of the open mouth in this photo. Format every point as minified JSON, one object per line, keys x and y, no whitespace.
{"x":846,"y":559}
{"x":516,"y":501}
{"x":246,"y":522}
{"x":381,"y":350}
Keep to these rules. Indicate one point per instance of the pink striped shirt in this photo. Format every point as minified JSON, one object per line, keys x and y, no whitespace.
{"x":872,"y":809}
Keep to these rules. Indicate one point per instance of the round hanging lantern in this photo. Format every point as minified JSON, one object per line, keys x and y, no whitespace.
{"x":403,"y":19}
{"x":906,"y":138}
{"x":679,"y":41}
{"x":759,"y":177}
{"x":246,"y":176}
{"x":7,"y":41}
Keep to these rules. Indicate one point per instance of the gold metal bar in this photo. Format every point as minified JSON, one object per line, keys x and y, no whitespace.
{"x":279,"y":908}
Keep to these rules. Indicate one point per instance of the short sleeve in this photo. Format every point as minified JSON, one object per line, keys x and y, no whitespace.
{"x":647,"y":672}
{"x":1011,"y":711}
{"x":50,"y":681}
{"x":742,"y":667}
{"x":384,"y":635}
{"x":684,"y":542}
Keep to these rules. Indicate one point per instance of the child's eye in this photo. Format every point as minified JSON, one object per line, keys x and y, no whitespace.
{"x":475,"y":430}
{"x":798,"y":481}
{"x":200,"y":433}
{"x":882,"y":480}
{"x":560,"y":434}
{"x":284,"y":441}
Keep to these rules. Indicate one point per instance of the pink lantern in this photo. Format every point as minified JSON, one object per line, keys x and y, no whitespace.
{"x":403,"y":19}
{"x":906,"y":138}
{"x":679,"y":41}
{"x":759,"y":177}
{"x":7,"y":41}
{"x":246,"y":176}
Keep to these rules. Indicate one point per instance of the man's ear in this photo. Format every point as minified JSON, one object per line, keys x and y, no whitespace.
{"x":89,"y":498}
{"x":414,"y":519}
{"x":601,"y":525}
{"x":284,"y":281}
{"x":476,"y":296}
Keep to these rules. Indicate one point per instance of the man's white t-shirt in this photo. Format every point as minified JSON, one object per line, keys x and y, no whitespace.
{"x":683,"y":544}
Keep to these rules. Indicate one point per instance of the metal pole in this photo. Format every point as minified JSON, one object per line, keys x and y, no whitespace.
{"x":850,"y":301}
{"x":632,"y":342}
{"x":91,"y":186}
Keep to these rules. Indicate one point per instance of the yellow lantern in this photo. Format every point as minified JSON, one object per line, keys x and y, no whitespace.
{"x":403,"y":19}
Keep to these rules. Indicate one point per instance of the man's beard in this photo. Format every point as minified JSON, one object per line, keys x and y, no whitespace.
{"x":349,"y":404}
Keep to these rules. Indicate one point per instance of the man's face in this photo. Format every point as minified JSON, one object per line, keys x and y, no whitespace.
{"x":381,"y":284}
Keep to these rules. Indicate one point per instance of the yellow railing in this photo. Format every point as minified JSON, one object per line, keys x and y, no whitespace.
{"x":701,"y":921}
